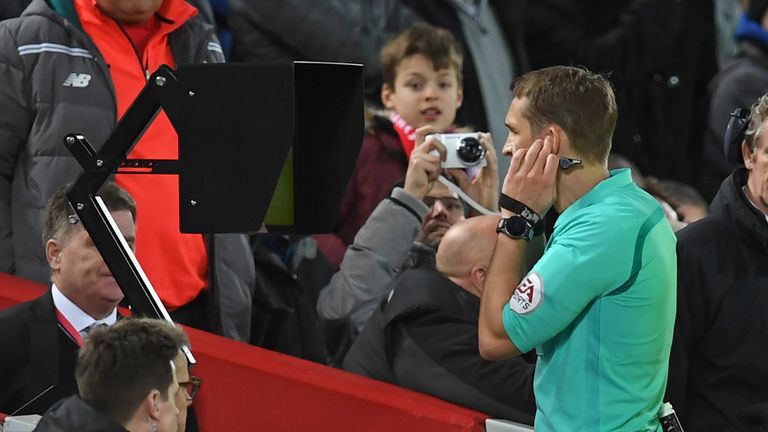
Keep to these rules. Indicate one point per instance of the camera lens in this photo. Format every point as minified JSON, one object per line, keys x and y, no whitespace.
{"x":470,"y":151}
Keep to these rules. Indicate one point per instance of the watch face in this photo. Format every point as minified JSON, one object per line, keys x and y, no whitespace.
{"x":516,"y":226}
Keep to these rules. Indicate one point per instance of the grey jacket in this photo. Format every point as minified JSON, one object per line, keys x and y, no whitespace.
{"x":54,"y":81}
{"x":371,"y":263}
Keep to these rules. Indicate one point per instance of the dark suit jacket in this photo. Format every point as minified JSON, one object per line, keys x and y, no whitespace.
{"x":34,"y":354}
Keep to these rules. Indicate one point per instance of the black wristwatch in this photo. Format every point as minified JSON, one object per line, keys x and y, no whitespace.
{"x":515,"y":227}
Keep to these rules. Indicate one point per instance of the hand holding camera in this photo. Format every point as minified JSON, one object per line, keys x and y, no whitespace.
{"x":424,"y":164}
{"x":472,"y":151}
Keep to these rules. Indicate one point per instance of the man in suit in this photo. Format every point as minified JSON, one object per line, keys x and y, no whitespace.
{"x":39,"y":339}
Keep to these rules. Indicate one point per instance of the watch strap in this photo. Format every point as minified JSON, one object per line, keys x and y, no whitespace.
{"x":508,"y":203}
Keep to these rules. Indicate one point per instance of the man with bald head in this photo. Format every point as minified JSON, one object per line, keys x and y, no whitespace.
{"x":466,"y":252}
{"x":424,"y":337}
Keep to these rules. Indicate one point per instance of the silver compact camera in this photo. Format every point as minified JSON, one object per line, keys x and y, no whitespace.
{"x":462,"y":150}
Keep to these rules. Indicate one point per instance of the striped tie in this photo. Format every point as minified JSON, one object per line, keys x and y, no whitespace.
{"x":84,"y":332}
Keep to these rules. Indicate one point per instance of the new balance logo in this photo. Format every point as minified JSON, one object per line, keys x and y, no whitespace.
{"x":77,"y":80}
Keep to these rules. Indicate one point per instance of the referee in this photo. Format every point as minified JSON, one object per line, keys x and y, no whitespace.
{"x":599,"y":306}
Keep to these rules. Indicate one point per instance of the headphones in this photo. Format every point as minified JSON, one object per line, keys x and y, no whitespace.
{"x":734,"y":134}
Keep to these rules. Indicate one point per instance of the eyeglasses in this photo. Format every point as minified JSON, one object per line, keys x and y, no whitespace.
{"x":449,"y":203}
{"x":191,"y":387}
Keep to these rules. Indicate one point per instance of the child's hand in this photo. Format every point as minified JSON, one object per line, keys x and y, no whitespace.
{"x":485,"y":187}
{"x":424,"y":165}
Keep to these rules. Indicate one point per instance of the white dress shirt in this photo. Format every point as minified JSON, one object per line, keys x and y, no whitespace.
{"x":76,"y":316}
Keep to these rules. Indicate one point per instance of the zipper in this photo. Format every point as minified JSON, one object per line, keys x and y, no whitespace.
{"x":138,"y":57}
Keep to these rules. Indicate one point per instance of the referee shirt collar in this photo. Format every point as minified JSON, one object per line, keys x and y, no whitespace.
{"x":619,"y":178}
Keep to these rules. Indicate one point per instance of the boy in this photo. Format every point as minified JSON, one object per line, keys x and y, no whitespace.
{"x":422,"y":87}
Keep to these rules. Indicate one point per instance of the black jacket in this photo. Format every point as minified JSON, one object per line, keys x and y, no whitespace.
{"x":73,"y":414}
{"x":660,"y":57}
{"x":34,"y":355}
{"x":719,"y":362}
{"x":12,"y":8}
{"x":289,"y":275}
{"x":425,"y":339}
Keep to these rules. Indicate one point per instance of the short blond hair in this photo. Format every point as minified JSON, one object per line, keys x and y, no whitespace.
{"x":579,"y":101}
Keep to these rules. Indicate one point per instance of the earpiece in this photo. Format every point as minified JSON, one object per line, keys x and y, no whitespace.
{"x":566,"y":162}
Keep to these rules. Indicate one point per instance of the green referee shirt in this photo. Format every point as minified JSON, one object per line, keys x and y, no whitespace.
{"x":599,"y":307}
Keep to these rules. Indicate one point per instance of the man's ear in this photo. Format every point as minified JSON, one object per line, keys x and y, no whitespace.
{"x":557,"y":135}
{"x":152,"y":404}
{"x":477,"y":275}
{"x":386,"y":96}
{"x":746,"y":154}
{"x":53,"y":254}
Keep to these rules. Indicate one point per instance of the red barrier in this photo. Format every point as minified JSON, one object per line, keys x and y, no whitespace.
{"x":17,"y":290}
{"x":248,"y":388}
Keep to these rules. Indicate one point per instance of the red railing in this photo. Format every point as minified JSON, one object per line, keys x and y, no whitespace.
{"x":248,"y":388}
